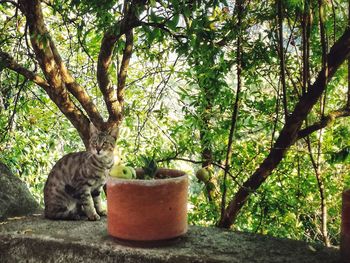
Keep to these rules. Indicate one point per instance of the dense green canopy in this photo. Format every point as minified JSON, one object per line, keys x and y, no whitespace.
{"x":256,"y":91}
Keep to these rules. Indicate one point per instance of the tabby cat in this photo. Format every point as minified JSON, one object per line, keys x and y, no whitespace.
{"x":73,"y":187}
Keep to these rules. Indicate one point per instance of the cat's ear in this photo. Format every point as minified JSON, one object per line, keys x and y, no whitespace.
{"x":114,"y":132}
{"x":93,"y":129}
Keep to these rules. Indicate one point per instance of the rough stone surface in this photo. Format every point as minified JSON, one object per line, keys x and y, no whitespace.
{"x":15,"y":198}
{"x":35,"y":239}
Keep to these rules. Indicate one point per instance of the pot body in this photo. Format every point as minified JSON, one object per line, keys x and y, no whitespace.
{"x":148,"y":210}
{"x":345,"y":228}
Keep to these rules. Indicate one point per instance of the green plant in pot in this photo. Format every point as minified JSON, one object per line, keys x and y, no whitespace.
{"x":149,"y":170}
{"x":149,"y":167}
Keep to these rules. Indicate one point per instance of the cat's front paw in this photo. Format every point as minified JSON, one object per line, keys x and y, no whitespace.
{"x":94,"y":217}
{"x":102,"y":213}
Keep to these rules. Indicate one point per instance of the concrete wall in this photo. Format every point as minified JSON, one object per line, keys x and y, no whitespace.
{"x":35,"y":239}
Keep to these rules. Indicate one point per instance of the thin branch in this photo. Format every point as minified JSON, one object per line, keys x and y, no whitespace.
{"x":323,"y":36}
{"x":152,"y":102}
{"x":294,"y":82}
{"x":282,"y":58}
{"x":316,"y":166}
{"x":29,"y":52}
{"x":11,"y":118}
{"x":10,"y":63}
{"x":324,"y":122}
{"x":306,"y":24}
{"x":277,"y":116}
{"x":129,"y":43}
{"x":148,"y":74}
{"x":10,"y":2}
{"x":103,"y":64}
{"x":334,"y":20}
{"x":162,"y":26}
{"x":234,"y":116}
{"x":44,"y":104}
{"x":176,"y":158}
{"x":77,"y":91}
{"x":324,"y":45}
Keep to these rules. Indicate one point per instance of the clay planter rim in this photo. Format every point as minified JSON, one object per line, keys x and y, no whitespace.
{"x":176,"y":175}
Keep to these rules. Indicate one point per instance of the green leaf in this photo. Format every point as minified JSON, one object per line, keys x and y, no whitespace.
{"x":172,"y":24}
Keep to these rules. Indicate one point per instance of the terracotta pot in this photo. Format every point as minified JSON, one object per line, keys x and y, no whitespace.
{"x":148,"y":210}
{"x":345,"y":228}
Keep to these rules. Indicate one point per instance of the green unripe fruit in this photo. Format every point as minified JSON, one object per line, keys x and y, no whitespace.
{"x":122,"y":171}
{"x":210,"y":186}
{"x":203,"y":175}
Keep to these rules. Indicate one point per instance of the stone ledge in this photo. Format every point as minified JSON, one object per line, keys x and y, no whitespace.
{"x":35,"y":239}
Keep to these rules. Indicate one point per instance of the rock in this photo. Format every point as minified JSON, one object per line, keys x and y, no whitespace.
{"x":15,"y":198}
{"x":36,"y":239}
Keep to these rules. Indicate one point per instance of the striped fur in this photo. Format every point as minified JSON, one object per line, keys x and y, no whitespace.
{"x":73,"y":187}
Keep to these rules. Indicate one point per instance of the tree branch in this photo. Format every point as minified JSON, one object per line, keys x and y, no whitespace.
{"x":162,"y":26}
{"x":104,"y":60}
{"x":12,"y":117}
{"x":129,"y":41}
{"x":323,"y":123}
{"x":324,"y":45}
{"x":56,"y":89}
{"x":108,"y":43}
{"x":235,"y":107}
{"x":125,"y":62}
{"x":8,"y":62}
{"x":77,"y":91}
{"x":289,"y":133}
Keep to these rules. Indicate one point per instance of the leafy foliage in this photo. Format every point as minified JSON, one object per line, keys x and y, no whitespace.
{"x":179,"y":100}
{"x":149,"y":166}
